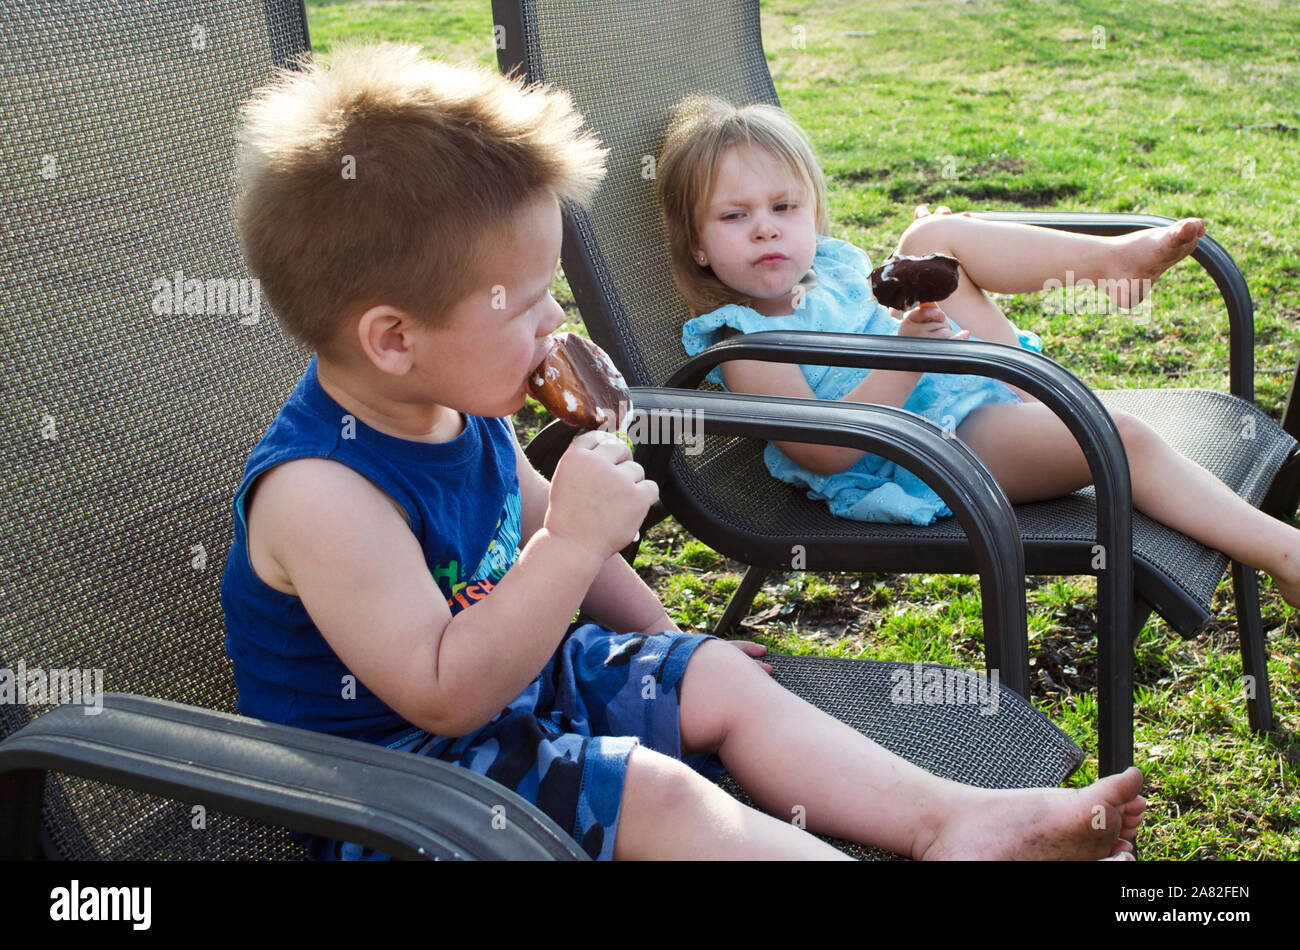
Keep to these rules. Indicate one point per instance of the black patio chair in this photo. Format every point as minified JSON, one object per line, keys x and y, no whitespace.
{"x":126,"y":425}
{"x":626,"y":63}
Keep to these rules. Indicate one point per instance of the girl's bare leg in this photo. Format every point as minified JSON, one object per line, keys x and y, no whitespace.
{"x":1008,"y":258}
{"x":796,"y":761}
{"x":1034,"y":457}
{"x":1004,"y":257}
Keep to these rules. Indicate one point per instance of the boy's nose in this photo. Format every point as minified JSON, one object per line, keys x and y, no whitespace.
{"x":555,"y":319}
{"x":765,"y":229}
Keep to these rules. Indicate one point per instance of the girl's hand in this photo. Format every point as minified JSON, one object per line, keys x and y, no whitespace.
{"x":929,"y":322}
{"x":924,"y":210}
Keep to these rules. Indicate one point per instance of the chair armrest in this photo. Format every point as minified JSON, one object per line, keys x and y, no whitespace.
{"x":545,"y":448}
{"x":1209,"y":253}
{"x":954,"y":472}
{"x":409,"y":806}
{"x":1058,"y":388}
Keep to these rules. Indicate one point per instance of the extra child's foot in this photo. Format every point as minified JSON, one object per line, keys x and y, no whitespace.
{"x":1147,"y":254}
{"x":1038,"y":824}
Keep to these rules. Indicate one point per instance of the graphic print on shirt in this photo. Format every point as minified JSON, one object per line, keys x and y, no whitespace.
{"x":501,"y":553}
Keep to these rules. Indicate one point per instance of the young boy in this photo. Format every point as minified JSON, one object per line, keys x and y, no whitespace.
{"x":401,"y":574}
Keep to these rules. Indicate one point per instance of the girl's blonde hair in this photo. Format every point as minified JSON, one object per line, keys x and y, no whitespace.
{"x":385,"y":178}
{"x":700,"y":131}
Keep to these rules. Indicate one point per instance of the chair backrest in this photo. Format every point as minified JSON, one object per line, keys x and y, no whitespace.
{"x":133,"y":388}
{"x":626,"y":63}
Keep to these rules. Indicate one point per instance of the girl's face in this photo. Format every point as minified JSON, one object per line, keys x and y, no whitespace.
{"x":757,"y":229}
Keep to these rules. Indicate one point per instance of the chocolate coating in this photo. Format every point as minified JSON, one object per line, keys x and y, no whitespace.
{"x":580,"y":385}
{"x":903,"y":282}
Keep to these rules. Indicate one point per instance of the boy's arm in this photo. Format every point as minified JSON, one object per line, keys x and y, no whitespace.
{"x":362,"y":578}
{"x":617,"y":599}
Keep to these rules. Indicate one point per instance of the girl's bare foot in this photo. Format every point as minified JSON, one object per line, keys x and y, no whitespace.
{"x":1036,"y":824}
{"x":1147,"y":254}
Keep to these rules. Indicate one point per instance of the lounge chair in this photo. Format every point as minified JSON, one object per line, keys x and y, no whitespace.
{"x":626,"y":63}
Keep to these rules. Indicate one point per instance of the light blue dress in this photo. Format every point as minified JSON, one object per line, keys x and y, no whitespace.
{"x":874,"y":489}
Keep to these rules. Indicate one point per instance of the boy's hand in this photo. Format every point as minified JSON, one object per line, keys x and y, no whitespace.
{"x":599,"y":496}
{"x":929,"y":322}
{"x":751,"y":648}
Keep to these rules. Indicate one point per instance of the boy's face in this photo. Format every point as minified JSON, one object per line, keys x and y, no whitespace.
{"x":498,"y":333}
{"x":757,"y":229}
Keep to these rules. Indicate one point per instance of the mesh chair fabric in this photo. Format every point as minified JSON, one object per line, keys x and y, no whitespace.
{"x":127,"y":424}
{"x":625,"y":72}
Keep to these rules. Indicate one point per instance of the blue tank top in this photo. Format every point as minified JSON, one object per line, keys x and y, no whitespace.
{"x":462,"y":503}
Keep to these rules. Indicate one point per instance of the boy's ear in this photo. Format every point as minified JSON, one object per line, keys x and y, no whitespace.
{"x":381,"y":333}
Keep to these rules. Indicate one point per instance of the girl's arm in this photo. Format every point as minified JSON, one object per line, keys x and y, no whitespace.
{"x":882,"y":387}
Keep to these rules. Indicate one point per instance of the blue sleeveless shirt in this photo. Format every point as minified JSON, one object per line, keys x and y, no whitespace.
{"x":462,"y":503}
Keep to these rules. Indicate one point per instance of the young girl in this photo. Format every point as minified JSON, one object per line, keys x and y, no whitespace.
{"x":745,"y":204}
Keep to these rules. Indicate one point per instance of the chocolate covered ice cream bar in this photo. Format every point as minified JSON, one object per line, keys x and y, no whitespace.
{"x":580,"y":385}
{"x":902,"y":282}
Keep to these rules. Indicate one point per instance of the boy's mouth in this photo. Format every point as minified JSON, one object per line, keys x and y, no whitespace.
{"x":547,"y":350}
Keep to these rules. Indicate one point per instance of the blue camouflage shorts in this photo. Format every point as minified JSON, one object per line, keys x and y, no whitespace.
{"x":563,"y":743}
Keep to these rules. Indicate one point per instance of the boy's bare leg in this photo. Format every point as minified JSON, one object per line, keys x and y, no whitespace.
{"x":1033,"y":456}
{"x":788,"y":753}
{"x":671,"y":812}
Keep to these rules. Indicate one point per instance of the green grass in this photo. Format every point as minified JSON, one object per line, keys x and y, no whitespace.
{"x":1188,"y":108}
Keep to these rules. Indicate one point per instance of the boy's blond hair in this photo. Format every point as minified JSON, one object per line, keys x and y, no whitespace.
{"x":384,"y":178}
{"x":700,"y":130}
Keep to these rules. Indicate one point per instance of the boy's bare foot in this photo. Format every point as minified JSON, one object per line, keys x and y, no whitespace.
{"x":1288,"y":586}
{"x":1147,"y":254}
{"x":1037,"y":824}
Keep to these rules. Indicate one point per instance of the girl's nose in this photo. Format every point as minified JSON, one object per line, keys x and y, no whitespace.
{"x":764,"y":228}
